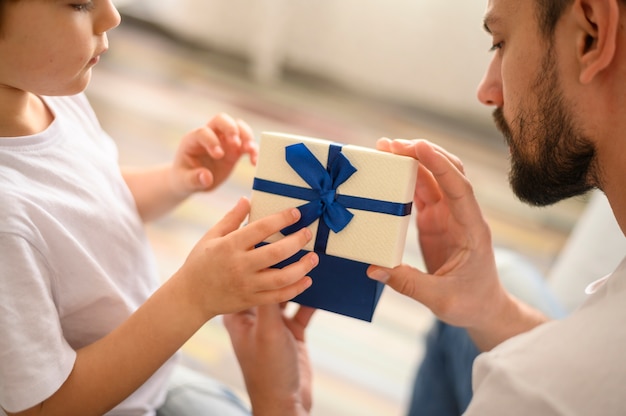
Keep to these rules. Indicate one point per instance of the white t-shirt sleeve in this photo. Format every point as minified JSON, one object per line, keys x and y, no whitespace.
{"x":570,"y":367}
{"x":500,"y":390}
{"x":31,"y":342}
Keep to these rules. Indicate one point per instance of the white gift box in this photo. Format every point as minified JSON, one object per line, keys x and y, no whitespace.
{"x":370,"y":236}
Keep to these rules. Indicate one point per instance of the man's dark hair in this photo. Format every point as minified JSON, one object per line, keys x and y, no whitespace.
{"x":548,"y":14}
{"x":3,"y":4}
{"x":1,"y":12}
{"x":550,"y":11}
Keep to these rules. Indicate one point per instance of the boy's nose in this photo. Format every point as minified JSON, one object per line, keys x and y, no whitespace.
{"x":108,"y":17}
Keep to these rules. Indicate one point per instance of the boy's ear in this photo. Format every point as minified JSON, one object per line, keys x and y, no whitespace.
{"x":596,"y":39}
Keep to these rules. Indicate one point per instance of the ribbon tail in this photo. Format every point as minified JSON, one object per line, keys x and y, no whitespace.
{"x":337,"y":217}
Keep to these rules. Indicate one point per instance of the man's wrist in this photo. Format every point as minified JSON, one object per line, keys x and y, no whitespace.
{"x":509,"y":318}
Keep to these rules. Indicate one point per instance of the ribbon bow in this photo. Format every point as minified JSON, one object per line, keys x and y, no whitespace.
{"x":324,"y":183}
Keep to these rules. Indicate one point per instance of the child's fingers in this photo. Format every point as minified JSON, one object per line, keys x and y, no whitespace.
{"x":274,"y":278}
{"x":271,"y":254}
{"x":248,"y":144}
{"x":285,"y":293}
{"x":210,"y":142}
{"x":259,"y":230}
{"x":198,"y":179}
{"x":245,"y":131}
{"x":226,"y":127}
{"x":232,"y":220}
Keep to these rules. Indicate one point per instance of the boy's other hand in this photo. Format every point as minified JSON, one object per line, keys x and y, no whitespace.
{"x":207,"y":155}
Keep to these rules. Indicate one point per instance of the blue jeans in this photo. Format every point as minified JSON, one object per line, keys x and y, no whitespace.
{"x":443,"y":383}
{"x":194,"y":394}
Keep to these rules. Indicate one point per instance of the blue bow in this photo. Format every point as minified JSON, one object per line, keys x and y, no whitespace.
{"x":324,"y":184}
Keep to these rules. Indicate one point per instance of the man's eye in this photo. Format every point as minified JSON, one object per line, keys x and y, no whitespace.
{"x":83,"y":7}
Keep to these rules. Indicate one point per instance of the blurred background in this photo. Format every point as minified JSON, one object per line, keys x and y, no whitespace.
{"x":345,"y":70}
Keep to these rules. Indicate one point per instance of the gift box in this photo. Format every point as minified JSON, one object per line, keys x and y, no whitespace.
{"x":356,"y":201}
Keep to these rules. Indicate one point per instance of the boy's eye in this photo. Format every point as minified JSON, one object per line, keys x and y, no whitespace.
{"x":496,"y":46}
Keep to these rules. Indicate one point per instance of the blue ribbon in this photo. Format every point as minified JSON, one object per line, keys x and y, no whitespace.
{"x":325,"y":203}
{"x":324,"y":184}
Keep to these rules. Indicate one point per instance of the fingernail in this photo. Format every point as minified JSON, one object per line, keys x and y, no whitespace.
{"x":314,"y":259}
{"x":296,"y":213}
{"x":308,"y":234}
{"x":242,"y":200}
{"x":202,"y":179}
{"x":379,"y":275}
{"x":218,"y":152}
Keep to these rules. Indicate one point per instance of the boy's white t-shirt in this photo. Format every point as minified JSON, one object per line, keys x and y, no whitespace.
{"x":74,"y":258}
{"x":575,"y":366}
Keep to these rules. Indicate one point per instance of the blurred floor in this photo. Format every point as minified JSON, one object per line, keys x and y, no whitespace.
{"x":149,"y":90}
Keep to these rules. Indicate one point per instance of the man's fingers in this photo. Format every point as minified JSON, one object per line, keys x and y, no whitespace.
{"x":268,"y":315}
{"x":244,"y":318}
{"x":403,"y":279}
{"x":452,"y":183}
{"x":300,"y":321}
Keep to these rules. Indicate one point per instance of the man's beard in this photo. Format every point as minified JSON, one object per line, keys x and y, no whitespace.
{"x":551,"y":159}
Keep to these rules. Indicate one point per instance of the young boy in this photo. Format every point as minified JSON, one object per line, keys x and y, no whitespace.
{"x":84,"y":327}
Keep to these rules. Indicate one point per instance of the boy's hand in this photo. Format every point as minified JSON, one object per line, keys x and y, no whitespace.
{"x":206,"y":156}
{"x":224,"y":273}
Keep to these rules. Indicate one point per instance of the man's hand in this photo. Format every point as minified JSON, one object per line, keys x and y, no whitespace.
{"x":272,"y":354}
{"x":461,"y":284}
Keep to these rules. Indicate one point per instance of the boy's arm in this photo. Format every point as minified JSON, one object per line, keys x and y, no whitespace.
{"x":222,"y":274}
{"x":204,"y":160}
{"x":153,"y":191}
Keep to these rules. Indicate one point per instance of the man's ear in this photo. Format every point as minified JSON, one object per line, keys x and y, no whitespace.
{"x":596,"y":40}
